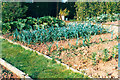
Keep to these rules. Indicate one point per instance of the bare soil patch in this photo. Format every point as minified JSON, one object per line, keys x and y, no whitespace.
{"x":113,"y":23}
{"x":7,"y":74}
{"x":79,"y":59}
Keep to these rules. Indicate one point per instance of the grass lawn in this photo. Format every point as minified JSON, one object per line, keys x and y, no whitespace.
{"x":36,"y":66}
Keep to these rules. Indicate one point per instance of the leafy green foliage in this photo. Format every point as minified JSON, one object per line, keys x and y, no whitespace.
{"x":32,"y":23}
{"x":51,"y":21}
{"x":44,"y":22}
{"x":91,"y":9}
{"x":72,"y":30}
{"x":12,"y":10}
{"x":6,"y":28}
{"x":105,"y":18}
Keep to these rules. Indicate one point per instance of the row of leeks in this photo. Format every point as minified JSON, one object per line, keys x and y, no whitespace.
{"x":73,"y":30}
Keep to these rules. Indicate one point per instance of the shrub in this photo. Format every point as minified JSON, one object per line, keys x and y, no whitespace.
{"x":105,"y":18}
{"x":51,"y":21}
{"x":12,"y":10}
{"x":6,"y":28}
{"x":91,"y":9}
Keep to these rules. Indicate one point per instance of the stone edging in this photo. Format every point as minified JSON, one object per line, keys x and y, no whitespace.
{"x":74,"y":70}
{"x":13,"y":69}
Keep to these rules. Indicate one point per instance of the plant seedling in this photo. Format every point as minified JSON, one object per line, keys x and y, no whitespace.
{"x":57,"y":46}
{"x":69,"y":44}
{"x":93,"y":58}
{"x":49,"y":46}
{"x":114,"y":51}
{"x":101,"y":39}
{"x":106,"y":55}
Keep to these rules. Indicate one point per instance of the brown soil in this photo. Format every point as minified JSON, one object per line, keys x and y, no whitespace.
{"x":78,"y":59}
{"x":6,"y":74}
{"x":113,"y":23}
{"x":67,"y":21}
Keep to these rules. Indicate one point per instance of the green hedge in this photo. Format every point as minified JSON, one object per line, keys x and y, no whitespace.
{"x":91,"y":9}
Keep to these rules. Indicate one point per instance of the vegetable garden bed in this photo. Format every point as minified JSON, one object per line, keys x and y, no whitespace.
{"x":81,"y":46}
{"x":95,"y":55}
{"x":64,"y":44}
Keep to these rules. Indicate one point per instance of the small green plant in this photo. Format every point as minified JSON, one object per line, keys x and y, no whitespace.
{"x":77,"y":42}
{"x":105,"y":55}
{"x":114,"y":51}
{"x":57,"y":46}
{"x":69,"y":44}
{"x":84,"y":42}
{"x":70,"y":55}
{"x":117,"y":36}
{"x":88,"y":40}
{"x":101,"y":39}
{"x":81,"y":52}
{"x":93,"y":58}
{"x":111,"y":34}
{"x":49,"y":46}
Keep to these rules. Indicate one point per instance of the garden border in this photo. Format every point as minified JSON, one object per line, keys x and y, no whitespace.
{"x":13,"y":69}
{"x":74,"y":70}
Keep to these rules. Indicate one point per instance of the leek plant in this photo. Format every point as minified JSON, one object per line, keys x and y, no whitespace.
{"x":49,"y":46}
{"x":57,"y":46}
{"x":51,"y":34}
{"x":77,"y":41}
{"x":69,"y":44}
{"x":111,"y":34}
